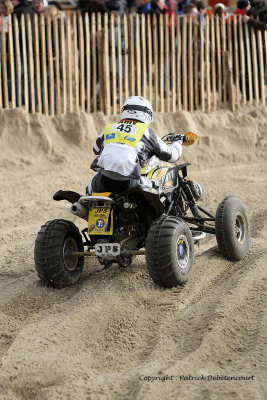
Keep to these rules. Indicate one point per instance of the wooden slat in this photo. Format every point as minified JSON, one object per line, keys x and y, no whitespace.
{"x":155,"y":61}
{"x":223,"y":43}
{"x":229,"y":68}
{"x":218,"y":59}
{"x":63,"y":64}
{"x":88,"y":63}
{"x":25,"y":63}
{"x":1,"y":80}
{"x":131,"y":55}
{"x":196,"y":64}
{"x":100,"y":66}
{"x":4,"y":67}
{"x":81,"y":56}
{"x":126,"y":57}
{"x":190,"y":66}
{"x":144,"y":55}
{"x":202,"y":90}
{"x":184,"y":62}
{"x":235,"y":57}
{"x":149,"y":57}
{"x":161,"y":63}
{"x":106,"y":72}
{"x":18,"y":61}
{"x":248,"y":60}
{"x":57,"y":63}
{"x":69,"y":63}
{"x":37,"y":63}
{"x":11,"y":62}
{"x":94,"y":65}
{"x":44,"y":70}
{"x":137,"y":55}
{"x":261,"y":67}
{"x":113,"y":65}
{"x":75,"y":62}
{"x":120,"y":77}
{"x":30,"y":63}
{"x":167,"y":65}
{"x":173,"y":87}
{"x":50,"y":67}
{"x":207,"y":63}
{"x":178,"y":63}
{"x":255,"y":66}
{"x":242,"y":62}
{"x":265,"y":52}
{"x":213,"y":66}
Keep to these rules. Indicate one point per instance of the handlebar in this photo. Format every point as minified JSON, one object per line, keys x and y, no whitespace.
{"x":172,"y":137}
{"x":187,"y":139}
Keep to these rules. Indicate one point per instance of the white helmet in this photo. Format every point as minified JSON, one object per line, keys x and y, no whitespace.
{"x":139,"y":108}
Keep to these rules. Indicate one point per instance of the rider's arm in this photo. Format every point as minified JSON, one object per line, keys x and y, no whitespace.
{"x":162,"y":150}
{"x":98,"y":144}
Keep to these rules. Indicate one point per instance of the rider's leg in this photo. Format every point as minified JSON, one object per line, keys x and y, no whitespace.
{"x":95,"y":185}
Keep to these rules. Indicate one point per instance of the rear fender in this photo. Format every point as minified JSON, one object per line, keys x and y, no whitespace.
{"x":72,"y":197}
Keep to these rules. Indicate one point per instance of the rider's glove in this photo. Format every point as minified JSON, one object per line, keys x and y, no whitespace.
{"x":176,"y":137}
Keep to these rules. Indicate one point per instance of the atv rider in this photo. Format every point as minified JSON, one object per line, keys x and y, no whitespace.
{"x":126,"y":146}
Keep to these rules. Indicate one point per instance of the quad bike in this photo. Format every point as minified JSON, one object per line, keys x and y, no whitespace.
{"x":162,"y":221}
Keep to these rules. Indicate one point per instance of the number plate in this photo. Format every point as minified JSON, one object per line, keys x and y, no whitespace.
{"x":107,"y":249}
{"x":98,"y":221}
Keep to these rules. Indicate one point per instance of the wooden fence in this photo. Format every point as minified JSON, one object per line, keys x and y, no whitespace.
{"x":92,"y":63}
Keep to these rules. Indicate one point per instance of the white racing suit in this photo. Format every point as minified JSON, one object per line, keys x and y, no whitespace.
{"x":123,"y":148}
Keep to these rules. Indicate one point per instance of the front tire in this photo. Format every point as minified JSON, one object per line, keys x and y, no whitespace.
{"x":169,"y":251}
{"x":231,"y":229}
{"x":54,"y":263}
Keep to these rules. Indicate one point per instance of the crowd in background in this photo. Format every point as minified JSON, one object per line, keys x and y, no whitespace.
{"x":253,"y":12}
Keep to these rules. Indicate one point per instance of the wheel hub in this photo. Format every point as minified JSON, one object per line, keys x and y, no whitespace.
{"x":182,"y":251}
{"x":70,"y":259}
{"x":240,"y":227}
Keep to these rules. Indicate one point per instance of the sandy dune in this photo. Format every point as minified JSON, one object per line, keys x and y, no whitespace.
{"x":116,"y":335}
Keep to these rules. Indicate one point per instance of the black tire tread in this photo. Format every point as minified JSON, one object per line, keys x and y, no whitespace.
{"x":224,"y":241}
{"x":159,"y":251}
{"x":47,"y":251}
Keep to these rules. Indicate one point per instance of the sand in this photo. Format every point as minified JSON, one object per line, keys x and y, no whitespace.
{"x":115,"y":334}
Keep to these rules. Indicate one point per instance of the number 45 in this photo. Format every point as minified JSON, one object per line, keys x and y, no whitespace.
{"x":125,"y":128}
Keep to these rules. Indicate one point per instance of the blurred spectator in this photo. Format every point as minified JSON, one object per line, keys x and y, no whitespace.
{"x":51,"y":11}
{"x":130,"y":4}
{"x":169,"y":9}
{"x":116,"y":5}
{"x":56,"y":4}
{"x":180,"y":6}
{"x":38,"y":6}
{"x":21,"y":7}
{"x":220,"y":10}
{"x":257,"y":15}
{"x":143,"y":6}
{"x":92,"y":6}
{"x":6,"y":8}
{"x":243,"y":6}
{"x":191,"y":10}
{"x":200,"y":5}
{"x":157,"y":6}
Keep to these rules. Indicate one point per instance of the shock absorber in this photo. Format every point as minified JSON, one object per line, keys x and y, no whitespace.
{"x":191,"y":200}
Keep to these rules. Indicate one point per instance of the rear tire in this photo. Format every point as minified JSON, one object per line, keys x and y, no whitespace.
{"x":169,"y":251}
{"x":54,"y":265}
{"x":231,"y":229}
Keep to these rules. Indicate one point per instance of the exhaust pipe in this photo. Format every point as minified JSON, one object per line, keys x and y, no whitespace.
{"x":80,"y":210}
